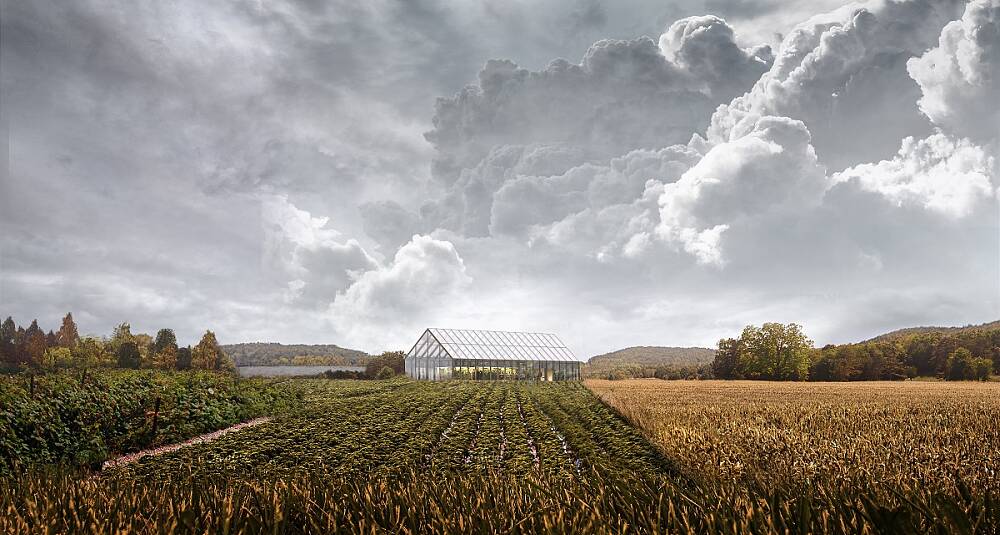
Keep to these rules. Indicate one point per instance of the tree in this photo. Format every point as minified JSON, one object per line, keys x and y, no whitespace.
{"x":91,"y":352}
{"x":57,"y":357}
{"x":68,"y":336}
{"x":50,"y":339}
{"x":962,"y":366}
{"x":34,"y":345}
{"x":772,"y":351}
{"x":394,"y":360}
{"x":982,"y":368}
{"x":121,"y":335}
{"x":164,"y":349}
{"x":207,"y":355}
{"x":128,"y":355}
{"x":726,"y":357}
{"x":164,"y":338}
{"x":385,"y":373}
{"x":166,"y":359}
{"x":8,"y":347}
{"x":184,"y":358}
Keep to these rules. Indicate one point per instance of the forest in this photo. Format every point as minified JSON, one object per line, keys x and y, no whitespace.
{"x":32,"y":348}
{"x":783,"y":352}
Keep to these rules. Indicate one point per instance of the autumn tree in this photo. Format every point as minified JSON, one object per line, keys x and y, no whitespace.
{"x":8,"y":347}
{"x":121,"y":335}
{"x":207,"y":355}
{"x":164,"y":349}
{"x":34,"y":345}
{"x":91,"y":352}
{"x":68,"y":334}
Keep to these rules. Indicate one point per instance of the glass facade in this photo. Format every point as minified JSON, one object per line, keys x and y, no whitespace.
{"x":490,"y":355}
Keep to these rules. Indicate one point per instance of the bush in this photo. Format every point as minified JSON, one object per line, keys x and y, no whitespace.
{"x":72,"y":421}
{"x":385,"y":373}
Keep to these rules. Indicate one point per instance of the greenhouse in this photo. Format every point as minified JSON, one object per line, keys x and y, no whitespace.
{"x":491,"y":355}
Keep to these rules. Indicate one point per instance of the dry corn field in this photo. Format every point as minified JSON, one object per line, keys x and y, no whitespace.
{"x":886,"y":435}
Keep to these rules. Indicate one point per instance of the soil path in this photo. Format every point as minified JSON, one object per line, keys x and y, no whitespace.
{"x":207,"y":437}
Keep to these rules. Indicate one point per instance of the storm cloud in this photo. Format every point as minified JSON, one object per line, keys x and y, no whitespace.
{"x":350,"y":173}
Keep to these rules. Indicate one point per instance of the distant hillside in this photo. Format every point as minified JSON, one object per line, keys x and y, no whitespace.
{"x":273,"y":354}
{"x":900,"y":333}
{"x":649,"y":356}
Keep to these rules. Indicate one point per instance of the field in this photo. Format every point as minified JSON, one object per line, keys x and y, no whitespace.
{"x":886,"y":436}
{"x":402,"y":456}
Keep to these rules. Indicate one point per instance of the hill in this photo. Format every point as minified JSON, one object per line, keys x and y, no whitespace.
{"x":902,"y":333}
{"x":274,"y":354}
{"x":648,"y":357}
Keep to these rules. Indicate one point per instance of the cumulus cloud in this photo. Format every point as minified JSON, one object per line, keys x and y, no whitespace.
{"x":960,"y":78}
{"x":423,"y":279}
{"x":844,"y":74}
{"x":623,"y":95}
{"x":310,"y":253}
{"x":276,"y":168}
{"x":937,"y":173}
{"x":772,"y":167}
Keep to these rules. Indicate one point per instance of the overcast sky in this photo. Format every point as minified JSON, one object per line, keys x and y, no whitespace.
{"x":620,"y":173}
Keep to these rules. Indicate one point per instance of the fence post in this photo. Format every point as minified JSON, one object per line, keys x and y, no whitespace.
{"x":156,"y":415}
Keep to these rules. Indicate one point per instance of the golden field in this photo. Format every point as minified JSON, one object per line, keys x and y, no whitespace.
{"x":882,"y":435}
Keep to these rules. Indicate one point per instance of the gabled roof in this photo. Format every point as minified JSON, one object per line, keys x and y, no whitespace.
{"x":500,"y":345}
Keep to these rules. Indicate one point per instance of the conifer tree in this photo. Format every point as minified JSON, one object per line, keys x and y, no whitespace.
{"x":34,"y":345}
{"x":68,"y":335}
{"x":8,"y":349}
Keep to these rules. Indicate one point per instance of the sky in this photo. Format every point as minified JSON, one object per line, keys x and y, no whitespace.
{"x":619,"y":173}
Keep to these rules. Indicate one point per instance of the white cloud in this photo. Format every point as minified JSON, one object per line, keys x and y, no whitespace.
{"x":309,"y":253}
{"x":960,"y":78}
{"x":937,"y":173}
{"x":770,"y":168}
{"x":844,"y":75}
{"x":384,"y":305}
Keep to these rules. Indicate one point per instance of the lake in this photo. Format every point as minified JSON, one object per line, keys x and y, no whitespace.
{"x":287,"y":371}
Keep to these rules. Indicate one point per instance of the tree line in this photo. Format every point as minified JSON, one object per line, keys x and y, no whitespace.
{"x":776,"y":351}
{"x":33,"y":348}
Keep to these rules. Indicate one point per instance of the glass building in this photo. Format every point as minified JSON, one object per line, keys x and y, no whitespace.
{"x":491,"y":355}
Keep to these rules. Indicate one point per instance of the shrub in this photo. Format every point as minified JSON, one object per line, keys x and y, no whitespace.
{"x":385,"y":373}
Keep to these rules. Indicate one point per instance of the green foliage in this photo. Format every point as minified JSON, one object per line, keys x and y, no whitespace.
{"x":72,"y":421}
{"x":57,"y":357}
{"x":394,"y":360}
{"x":272,"y":354}
{"x":962,"y":366}
{"x":184,"y":358}
{"x":773,"y":351}
{"x":128,"y":355}
{"x":385,"y":373}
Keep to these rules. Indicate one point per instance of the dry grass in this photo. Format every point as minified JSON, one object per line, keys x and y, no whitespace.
{"x":886,"y":435}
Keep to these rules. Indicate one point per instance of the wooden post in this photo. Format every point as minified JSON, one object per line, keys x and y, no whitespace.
{"x":156,"y":415}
